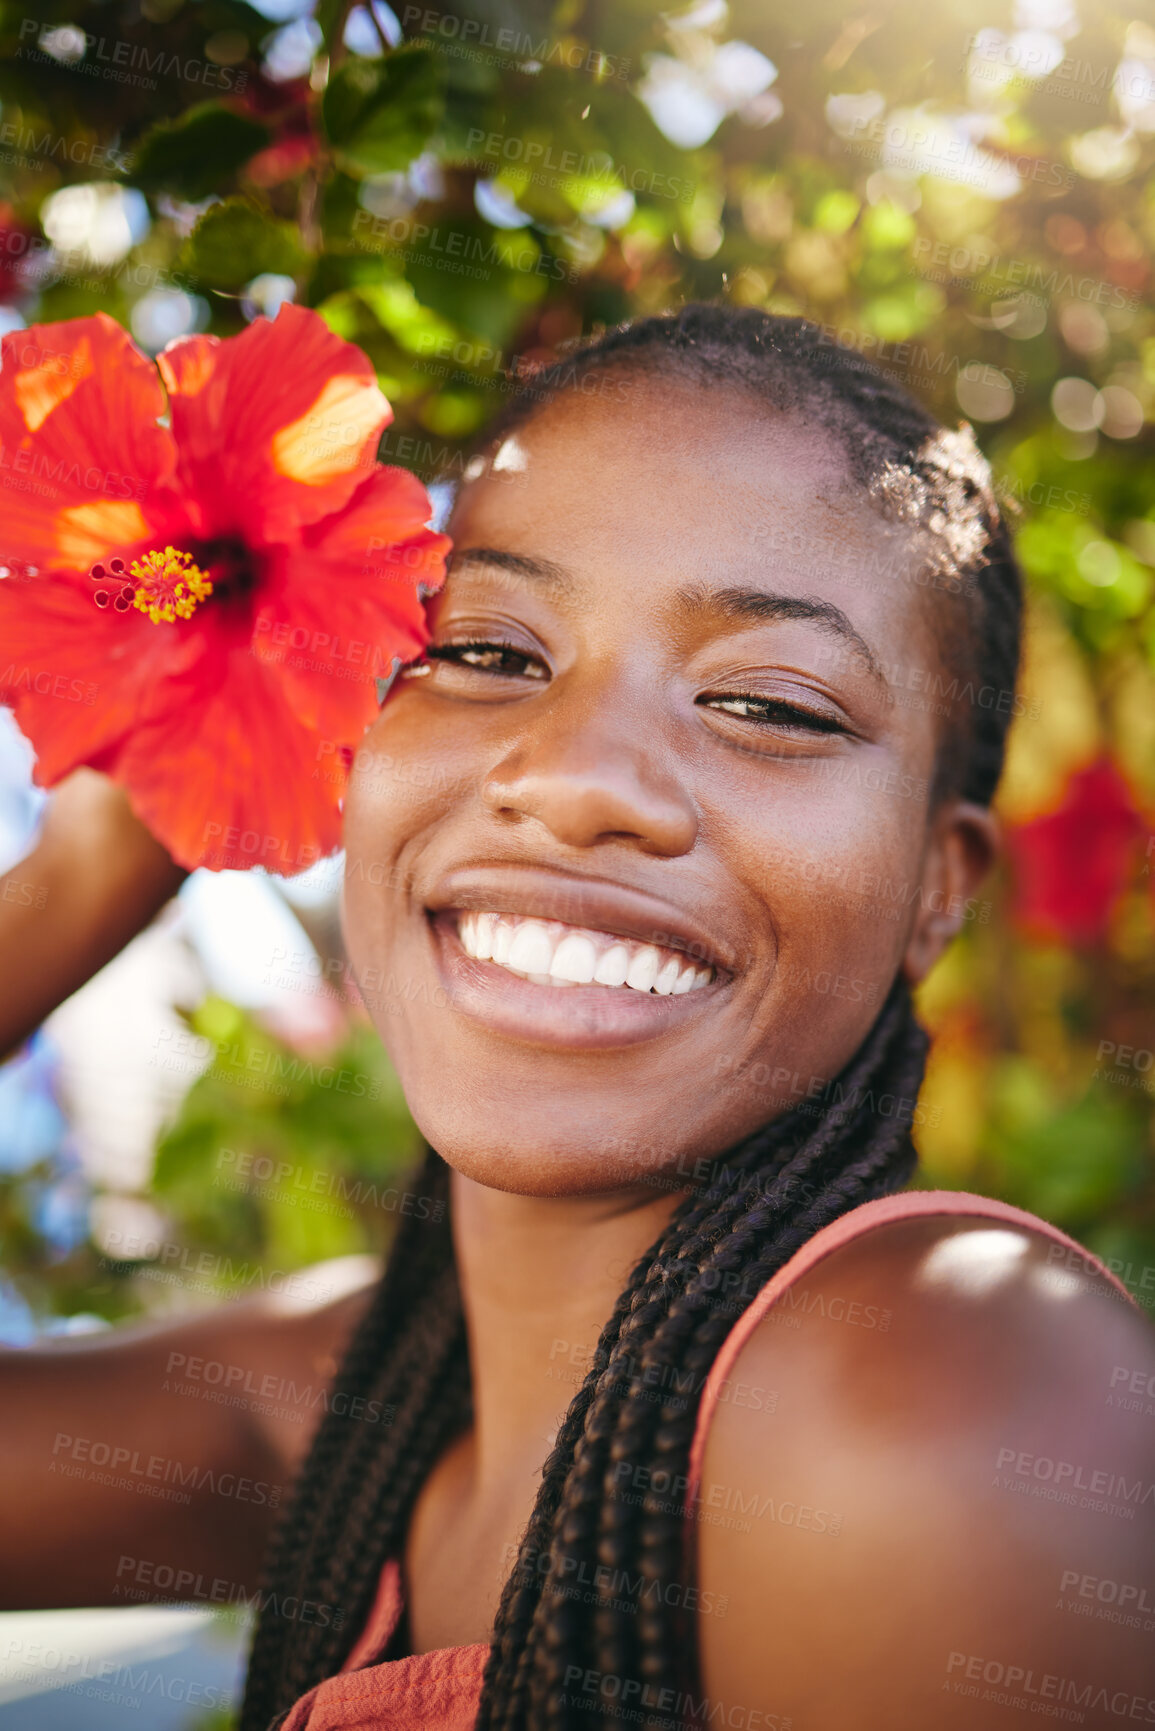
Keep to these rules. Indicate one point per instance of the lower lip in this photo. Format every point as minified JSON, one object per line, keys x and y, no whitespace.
{"x":573,"y":1018}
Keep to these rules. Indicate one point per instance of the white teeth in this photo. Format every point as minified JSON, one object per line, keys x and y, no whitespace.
{"x":574,"y":960}
{"x":613,"y":967}
{"x":485,"y":926}
{"x":531,"y":949}
{"x":549,"y":953}
{"x":667,"y":977}
{"x":644,"y":965}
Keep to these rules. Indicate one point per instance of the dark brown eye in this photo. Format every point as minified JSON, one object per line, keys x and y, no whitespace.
{"x":488,"y":657}
{"x":774,"y":712}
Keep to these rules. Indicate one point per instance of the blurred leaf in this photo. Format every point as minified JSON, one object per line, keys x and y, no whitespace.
{"x":281,"y":1158}
{"x":1129,"y":1253}
{"x":235,"y":241}
{"x":1074,"y":1165}
{"x":836,"y":211}
{"x":191,"y":156}
{"x":887,"y":226}
{"x":481,"y":279}
{"x":379,"y":115}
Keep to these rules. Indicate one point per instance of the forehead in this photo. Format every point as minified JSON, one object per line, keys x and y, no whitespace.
{"x":649,"y":481}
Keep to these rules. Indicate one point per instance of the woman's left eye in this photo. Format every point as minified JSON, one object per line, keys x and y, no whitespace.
{"x":775,"y":712}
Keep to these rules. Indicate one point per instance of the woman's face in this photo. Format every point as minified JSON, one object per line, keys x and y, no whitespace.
{"x":687,"y":763}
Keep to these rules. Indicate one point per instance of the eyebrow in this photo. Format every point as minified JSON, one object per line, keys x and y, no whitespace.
{"x":542,"y":571}
{"x":755,"y":604}
{"x":737,"y":604}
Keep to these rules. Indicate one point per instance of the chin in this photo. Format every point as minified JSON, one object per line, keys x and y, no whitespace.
{"x":571,"y":1144}
{"x":528,"y":1161}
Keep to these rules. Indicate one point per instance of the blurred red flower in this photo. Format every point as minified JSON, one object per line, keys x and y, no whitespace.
{"x":205,"y":573}
{"x":1071,"y":865}
{"x":284,"y":107}
{"x":15,"y":243}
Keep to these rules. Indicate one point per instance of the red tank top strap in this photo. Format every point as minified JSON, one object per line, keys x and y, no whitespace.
{"x":384,"y":1616}
{"x":907,"y":1205}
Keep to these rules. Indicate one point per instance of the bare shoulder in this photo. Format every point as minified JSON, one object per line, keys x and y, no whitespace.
{"x":928,"y":1493}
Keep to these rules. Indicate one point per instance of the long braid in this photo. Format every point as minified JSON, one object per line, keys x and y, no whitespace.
{"x":764,"y":1199}
{"x":400,"y":1395}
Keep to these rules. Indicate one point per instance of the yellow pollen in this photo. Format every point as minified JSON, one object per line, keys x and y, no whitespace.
{"x":169,"y":585}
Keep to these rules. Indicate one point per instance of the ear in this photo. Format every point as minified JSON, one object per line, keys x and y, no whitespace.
{"x":962,"y":846}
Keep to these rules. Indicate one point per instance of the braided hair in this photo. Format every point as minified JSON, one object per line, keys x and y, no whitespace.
{"x":756,"y":1206}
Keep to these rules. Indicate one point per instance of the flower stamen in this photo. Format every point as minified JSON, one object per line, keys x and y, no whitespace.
{"x":169,"y":585}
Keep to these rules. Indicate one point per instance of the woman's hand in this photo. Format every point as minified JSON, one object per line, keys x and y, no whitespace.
{"x":93,"y":881}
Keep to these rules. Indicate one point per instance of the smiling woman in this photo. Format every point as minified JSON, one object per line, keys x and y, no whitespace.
{"x":670,"y":1069}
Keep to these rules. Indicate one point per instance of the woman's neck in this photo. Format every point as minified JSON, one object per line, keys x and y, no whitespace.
{"x":539,"y":1279}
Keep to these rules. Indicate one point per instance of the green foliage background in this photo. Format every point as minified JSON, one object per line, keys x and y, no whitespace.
{"x":357,"y":180}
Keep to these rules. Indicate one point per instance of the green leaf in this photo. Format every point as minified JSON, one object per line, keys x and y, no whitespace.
{"x":236,"y":241}
{"x":481,"y":279}
{"x":379,"y":115}
{"x":1074,"y":1166}
{"x":193,"y":155}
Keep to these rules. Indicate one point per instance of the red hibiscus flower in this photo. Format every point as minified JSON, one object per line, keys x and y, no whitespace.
{"x":206,"y":572}
{"x":1071,"y":866}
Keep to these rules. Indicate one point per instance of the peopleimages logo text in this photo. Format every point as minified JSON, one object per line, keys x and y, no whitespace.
{"x":103,"y":53}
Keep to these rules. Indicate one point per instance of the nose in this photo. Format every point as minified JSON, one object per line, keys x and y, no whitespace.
{"x":589,"y":778}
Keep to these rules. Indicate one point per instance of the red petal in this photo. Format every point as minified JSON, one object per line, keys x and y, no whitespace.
{"x":344,"y":603}
{"x":229,"y":777}
{"x":277,"y":427}
{"x":82,"y":459}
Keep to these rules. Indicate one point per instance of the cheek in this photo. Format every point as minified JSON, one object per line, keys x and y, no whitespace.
{"x":393,"y":795}
{"x":842,"y":885}
{"x":401,"y":769}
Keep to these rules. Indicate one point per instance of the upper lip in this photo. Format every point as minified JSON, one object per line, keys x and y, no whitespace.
{"x":546,"y":893}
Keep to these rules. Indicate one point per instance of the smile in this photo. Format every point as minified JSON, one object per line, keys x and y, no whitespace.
{"x":552,"y":953}
{"x":634,"y":966}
